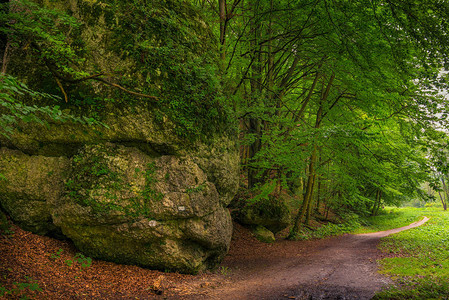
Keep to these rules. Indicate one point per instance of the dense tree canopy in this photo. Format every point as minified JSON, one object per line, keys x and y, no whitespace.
{"x":335,"y":100}
{"x":337,"y":95}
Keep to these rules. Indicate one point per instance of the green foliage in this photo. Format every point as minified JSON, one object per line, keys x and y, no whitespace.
{"x":177,"y":61}
{"x":416,"y":289}
{"x":338,"y":93}
{"x":69,"y":262}
{"x":50,"y":33}
{"x":225,"y":271}
{"x":21,"y":289}
{"x":262,"y":193}
{"x":84,"y":261}
{"x":56,"y":255}
{"x":350,"y":223}
{"x":196,"y":189}
{"x":13,"y":110}
{"x":389,"y":218}
{"x":163,"y":50}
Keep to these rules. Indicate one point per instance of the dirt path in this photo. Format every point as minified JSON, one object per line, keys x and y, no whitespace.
{"x":336,"y":268}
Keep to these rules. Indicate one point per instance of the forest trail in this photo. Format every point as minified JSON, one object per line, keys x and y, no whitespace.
{"x":336,"y":268}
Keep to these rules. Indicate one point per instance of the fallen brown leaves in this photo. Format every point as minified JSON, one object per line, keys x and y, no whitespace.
{"x":26,"y":258}
{"x":51,"y":263}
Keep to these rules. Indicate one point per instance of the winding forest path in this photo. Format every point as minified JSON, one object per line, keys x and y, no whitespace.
{"x":336,"y":268}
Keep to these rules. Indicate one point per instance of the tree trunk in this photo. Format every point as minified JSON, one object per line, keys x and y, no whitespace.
{"x":319,"y":188}
{"x":306,"y":199}
{"x":222,"y":14}
{"x":310,"y":204}
{"x":311,"y":170}
{"x":445,"y":199}
{"x":5,"y":47}
{"x":377,"y":203}
{"x":253,"y":172}
{"x":255,"y":124}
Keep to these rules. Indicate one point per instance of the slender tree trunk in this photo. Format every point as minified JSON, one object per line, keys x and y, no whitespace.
{"x":222,"y":14}
{"x":254,"y":148}
{"x":306,"y":199}
{"x":319,"y":188}
{"x":311,"y":170}
{"x":5,"y":46}
{"x":310,"y":204}
{"x":255,"y":124}
{"x":377,"y":203}
{"x":445,"y":200}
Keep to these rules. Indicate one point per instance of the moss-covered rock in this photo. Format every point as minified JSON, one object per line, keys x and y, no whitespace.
{"x":262,"y":234}
{"x":30,"y":188}
{"x":271,"y":213}
{"x":220,"y":161}
{"x":130,"y":192}
{"x":163,"y":50}
{"x":161,"y":212}
{"x":149,"y":187}
{"x":134,"y":124}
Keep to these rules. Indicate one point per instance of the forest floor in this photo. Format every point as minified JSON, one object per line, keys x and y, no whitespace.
{"x":341,"y":267}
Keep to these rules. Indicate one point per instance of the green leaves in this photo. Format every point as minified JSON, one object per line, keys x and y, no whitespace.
{"x":48,"y":32}
{"x":13,"y":110}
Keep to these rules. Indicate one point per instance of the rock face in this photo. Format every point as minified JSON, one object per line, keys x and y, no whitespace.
{"x":125,"y":202}
{"x":123,"y":205}
{"x":136,"y":190}
{"x":263,"y":234}
{"x":31,"y":188}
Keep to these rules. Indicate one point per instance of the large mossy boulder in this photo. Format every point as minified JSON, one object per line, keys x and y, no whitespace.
{"x":126,"y":202}
{"x":123,"y":205}
{"x":271,"y":213}
{"x":151,"y":185}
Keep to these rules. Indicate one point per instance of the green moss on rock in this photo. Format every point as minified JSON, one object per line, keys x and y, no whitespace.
{"x":262,"y":234}
{"x":121,"y":205}
{"x":31,"y":189}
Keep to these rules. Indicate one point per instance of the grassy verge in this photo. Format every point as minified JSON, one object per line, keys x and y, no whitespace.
{"x":420,"y":266}
{"x":392,"y":217}
{"x":421,"y":263}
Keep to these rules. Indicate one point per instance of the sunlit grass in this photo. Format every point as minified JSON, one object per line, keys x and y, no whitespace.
{"x":422,"y":262}
{"x":391,"y":217}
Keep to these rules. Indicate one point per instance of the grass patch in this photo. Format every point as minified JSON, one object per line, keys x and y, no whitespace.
{"x":421,"y":265}
{"x":390,"y":218}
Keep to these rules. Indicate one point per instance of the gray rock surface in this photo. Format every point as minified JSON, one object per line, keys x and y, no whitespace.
{"x":30,"y":189}
{"x":125,"y":206}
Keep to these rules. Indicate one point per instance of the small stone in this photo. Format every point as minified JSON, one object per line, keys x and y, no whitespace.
{"x":263,"y":234}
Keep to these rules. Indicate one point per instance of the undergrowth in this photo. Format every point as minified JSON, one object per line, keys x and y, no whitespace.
{"x":352,"y":222}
